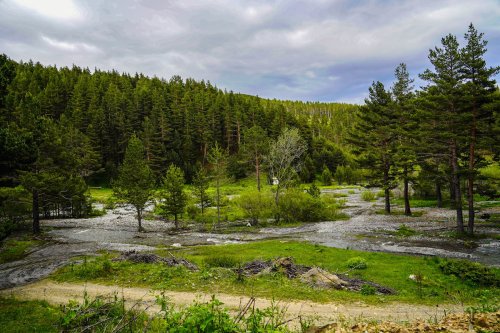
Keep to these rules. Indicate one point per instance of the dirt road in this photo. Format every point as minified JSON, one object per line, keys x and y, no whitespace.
{"x":322,"y":313}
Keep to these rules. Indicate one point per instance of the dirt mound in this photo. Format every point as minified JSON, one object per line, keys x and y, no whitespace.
{"x":150,"y":258}
{"x":320,"y":278}
{"x":463,"y":322}
{"x":284,"y":265}
{"x":314,"y":276}
{"x":356,"y":285}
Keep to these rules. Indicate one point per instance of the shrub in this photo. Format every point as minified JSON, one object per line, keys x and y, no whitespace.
{"x":471,"y":272}
{"x":314,"y":191}
{"x":193,"y":211}
{"x":256,"y":205}
{"x":368,"y":196}
{"x":297,"y":206}
{"x":366,"y":289}
{"x":357,"y":263}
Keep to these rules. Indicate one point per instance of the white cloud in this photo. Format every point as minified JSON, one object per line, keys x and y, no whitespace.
{"x":54,"y":9}
{"x":326,"y":50}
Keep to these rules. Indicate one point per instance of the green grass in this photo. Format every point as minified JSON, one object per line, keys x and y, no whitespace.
{"x":15,"y":249}
{"x":387,"y":269}
{"x":28,"y":316}
{"x":101,"y":194}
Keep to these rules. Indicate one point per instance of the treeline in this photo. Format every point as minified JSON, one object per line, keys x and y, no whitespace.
{"x":439,"y":136}
{"x":62,"y":128}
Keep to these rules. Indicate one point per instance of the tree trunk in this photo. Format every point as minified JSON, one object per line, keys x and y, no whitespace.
{"x":457,"y":189}
{"x":176,"y":221}
{"x":386,"y":189}
{"x":406,"y":193}
{"x":36,"y":212}
{"x":257,"y":172}
{"x":218,"y":202}
{"x":439,"y":196}
{"x":470,"y":183}
{"x":139,"y":219}
{"x":452,"y":194}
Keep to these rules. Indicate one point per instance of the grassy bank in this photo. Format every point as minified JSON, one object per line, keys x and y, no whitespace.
{"x":16,"y":248}
{"x":217,"y":263}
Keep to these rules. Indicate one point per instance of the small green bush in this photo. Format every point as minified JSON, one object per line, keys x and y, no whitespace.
{"x":357,"y":263}
{"x":256,"y":205}
{"x":296,"y":206}
{"x":368,"y":196}
{"x":366,"y":289}
{"x":471,"y":272}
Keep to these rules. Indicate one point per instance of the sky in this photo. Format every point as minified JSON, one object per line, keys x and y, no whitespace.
{"x":316,"y":50}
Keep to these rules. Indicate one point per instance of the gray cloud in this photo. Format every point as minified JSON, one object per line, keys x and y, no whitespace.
{"x":308,"y":50}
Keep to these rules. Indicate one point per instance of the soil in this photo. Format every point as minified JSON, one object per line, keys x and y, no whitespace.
{"x":322,"y":313}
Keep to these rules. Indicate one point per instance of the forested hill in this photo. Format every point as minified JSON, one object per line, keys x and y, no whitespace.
{"x":178,"y":120}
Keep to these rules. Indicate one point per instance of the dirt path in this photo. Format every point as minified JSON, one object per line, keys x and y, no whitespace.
{"x":322,"y":313}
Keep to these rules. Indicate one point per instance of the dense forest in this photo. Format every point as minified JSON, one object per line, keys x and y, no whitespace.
{"x":63,"y":129}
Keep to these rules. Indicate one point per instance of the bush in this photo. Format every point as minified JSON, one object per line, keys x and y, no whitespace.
{"x":314,"y":191}
{"x":256,"y":205}
{"x":296,"y":206}
{"x":368,"y":196}
{"x":357,"y":263}
{"x":471,"y":272}
{"x":193,"y":211}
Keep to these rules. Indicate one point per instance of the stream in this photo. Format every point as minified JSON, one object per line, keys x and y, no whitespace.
{"x":365,"y":230}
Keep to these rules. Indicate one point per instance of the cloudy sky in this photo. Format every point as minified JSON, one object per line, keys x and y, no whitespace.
{"x":317,"y":50}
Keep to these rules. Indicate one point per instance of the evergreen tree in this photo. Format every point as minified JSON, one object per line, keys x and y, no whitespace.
{"x":200,"y":184}
{"x":404,"y":127}
{"x":218,"y":158}
{"x":445,"y":121}
{"x":479,"y":88}
{"x":173,"y":196}
{"x":375,"y":139}
{"x":135,"y":179}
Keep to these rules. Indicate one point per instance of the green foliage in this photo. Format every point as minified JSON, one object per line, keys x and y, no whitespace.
{"x":173,"y":197}
{"x":135,"y":179}
{"x":357,"y":263}
{"x":390,"y":270}
{"x":92,"y":269}
{"x":100,"y":314}
{"x":297,"y":206}
{"x":326,"y":176}
{"x":368,"y":195}
{"x":256,"y":205}
{"x":314,"y":191}
{"x":200,"y":186}
{"x":367,"y":289}
{"x":471,"y":272}
{"x":28,"y":316}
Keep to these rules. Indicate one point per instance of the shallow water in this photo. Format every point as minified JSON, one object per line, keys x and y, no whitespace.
{"x":365,"y":230}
